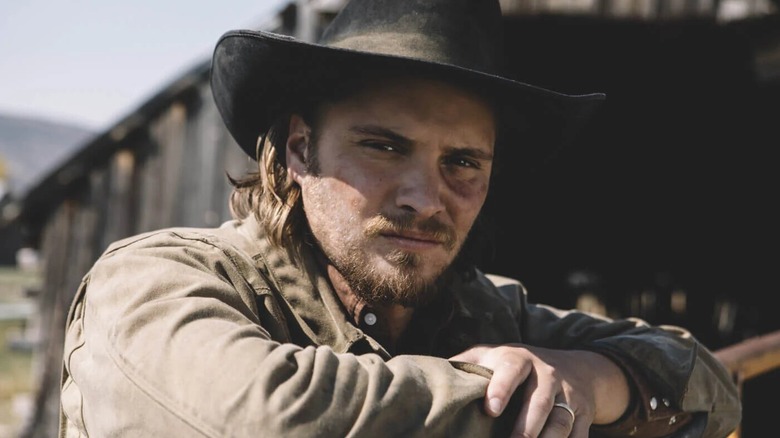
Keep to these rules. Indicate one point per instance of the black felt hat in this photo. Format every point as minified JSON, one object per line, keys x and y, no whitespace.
{"x":257,"y":75}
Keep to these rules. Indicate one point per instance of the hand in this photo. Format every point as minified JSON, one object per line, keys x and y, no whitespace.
{"x":592,"y":385}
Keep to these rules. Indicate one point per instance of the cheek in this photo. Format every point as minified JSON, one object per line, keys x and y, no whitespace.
{"x":349,"y":194}
{"x":467,"y":201}
{"x":470,"y":191}
{"x":365,"y":183}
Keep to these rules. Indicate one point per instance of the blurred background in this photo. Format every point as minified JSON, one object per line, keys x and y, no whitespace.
{"x":662,"y":207}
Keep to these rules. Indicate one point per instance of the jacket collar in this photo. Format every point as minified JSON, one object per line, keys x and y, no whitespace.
{"x":325,"y":320}
{"x":306,"y":289}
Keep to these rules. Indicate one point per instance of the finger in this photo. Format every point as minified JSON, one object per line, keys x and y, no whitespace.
{"x":581,"y":428}
{"x":507,"y":377}
{"x":538,"y":402}
{"x":472,"y":355}
{"x":560,"y":423}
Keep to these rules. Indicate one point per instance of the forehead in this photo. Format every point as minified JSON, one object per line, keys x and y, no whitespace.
{"x":400,"y":97}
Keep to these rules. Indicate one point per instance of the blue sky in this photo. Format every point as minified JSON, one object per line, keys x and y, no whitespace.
{"x":90,"y":62}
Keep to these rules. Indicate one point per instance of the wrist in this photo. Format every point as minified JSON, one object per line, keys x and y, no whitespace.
{"x":611,"y":389}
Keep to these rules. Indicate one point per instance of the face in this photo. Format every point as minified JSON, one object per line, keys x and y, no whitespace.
{"x":400,"y":173}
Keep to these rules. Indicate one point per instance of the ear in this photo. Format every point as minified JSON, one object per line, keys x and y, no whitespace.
{"x":297,"y":145}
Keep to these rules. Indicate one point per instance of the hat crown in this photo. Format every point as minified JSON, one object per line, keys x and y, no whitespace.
{"x":258,"y":76}
{"x":464,"y":33}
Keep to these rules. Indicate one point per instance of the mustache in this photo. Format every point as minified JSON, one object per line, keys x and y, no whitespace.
{"x":399,"y":223}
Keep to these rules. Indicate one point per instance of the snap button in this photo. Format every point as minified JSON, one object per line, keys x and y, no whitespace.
{"x":370,"y":318}
{"x":653,"y":403}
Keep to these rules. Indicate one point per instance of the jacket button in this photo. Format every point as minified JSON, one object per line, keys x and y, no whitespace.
{"x":653,"y":403}
{"x":370,"y":318}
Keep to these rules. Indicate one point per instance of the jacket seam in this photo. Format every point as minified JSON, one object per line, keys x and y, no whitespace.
{"x":160,"y":398}
{"x":137,"y":379}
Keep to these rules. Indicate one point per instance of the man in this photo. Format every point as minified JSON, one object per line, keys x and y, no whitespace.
{"x":346,"y":299}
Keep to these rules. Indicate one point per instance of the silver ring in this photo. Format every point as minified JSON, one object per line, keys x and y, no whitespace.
{"x":567,"y":408}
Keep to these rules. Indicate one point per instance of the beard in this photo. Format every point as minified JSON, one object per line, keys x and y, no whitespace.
{"x":403,"y":285}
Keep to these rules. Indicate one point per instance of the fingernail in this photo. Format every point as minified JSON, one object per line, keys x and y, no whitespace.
{"x":495,"y":405}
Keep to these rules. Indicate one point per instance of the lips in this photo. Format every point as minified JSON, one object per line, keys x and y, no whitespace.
{"x":418,"y":237}
{"x":416,"y":234}
{"x":414,"y":242}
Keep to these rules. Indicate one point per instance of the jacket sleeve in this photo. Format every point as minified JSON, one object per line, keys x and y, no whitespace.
{"x":163,"y":339}
{"x":679,"y":387}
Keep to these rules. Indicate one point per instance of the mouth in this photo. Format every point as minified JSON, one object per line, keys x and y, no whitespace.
{"x":413,"y":240}
{"x":405,"y":234}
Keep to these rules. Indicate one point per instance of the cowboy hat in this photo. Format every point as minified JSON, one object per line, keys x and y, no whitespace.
{"x":256,"y":75}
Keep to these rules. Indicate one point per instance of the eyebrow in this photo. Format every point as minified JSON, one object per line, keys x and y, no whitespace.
{"x":405,"y":141}
{"x":382,"y":132}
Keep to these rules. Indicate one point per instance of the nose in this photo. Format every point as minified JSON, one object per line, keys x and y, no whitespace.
{"x":421,"y":190}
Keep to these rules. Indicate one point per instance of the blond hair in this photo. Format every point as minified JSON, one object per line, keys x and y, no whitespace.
{"x":270,"y":194}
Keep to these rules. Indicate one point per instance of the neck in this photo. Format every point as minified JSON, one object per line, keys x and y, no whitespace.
{"x":391,"y":319}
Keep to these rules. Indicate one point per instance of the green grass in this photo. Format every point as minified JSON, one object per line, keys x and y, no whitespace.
{"x":10,"y":276}
{"x":16,"y":377}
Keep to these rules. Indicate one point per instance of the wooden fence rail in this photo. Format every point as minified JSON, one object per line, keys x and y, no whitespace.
{"x":751,"y":358}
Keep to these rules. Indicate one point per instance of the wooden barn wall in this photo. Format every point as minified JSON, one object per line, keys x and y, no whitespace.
{"x":170,"y":172}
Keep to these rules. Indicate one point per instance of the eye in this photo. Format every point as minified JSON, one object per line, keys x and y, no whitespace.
{"x":462,"y":161}
{"x":379,"y":145}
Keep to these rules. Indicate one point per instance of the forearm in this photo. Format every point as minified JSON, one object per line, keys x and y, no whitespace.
{"x":674,"y":377}
{"x":611,"y":391}
{"x":181,"y":354}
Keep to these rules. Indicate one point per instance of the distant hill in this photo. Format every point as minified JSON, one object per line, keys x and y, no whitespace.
{"x":31,"y":148}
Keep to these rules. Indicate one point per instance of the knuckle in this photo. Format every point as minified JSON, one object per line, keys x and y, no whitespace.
{"x":545,"y":399}
{"x":547,"y":370}
{"x":512,"y":367}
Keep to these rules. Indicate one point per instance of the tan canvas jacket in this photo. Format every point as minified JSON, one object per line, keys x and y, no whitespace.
{"x":214,"y":333}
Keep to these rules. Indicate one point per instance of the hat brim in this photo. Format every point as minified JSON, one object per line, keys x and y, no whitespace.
{"x":255,"y":75}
